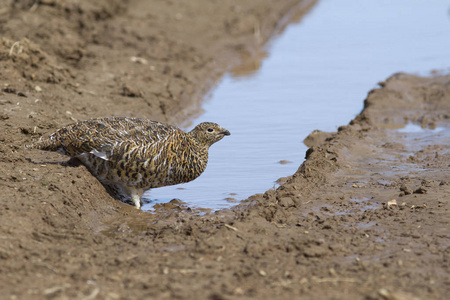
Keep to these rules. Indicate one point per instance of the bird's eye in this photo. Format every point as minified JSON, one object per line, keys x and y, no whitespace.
{"x":210,"y":130}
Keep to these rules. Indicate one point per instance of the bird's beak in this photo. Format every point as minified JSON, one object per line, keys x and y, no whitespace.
{"x":226,"y":132}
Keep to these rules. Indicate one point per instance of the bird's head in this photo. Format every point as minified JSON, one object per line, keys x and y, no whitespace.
{"x":207,"y":133}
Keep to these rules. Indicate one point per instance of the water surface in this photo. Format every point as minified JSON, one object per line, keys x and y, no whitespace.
{"x":316,"y":76}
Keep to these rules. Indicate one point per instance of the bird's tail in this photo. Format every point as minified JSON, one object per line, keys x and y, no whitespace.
{"x":48,"y":144}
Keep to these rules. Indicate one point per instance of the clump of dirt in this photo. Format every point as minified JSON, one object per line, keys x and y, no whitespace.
{"x":332,"y":230}
{"x":28,"y":61}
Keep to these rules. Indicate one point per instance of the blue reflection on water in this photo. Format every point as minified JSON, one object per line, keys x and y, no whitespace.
{"x":316,"y":77}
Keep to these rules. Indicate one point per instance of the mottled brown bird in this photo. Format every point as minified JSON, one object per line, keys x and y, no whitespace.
{"x":131,"y":155}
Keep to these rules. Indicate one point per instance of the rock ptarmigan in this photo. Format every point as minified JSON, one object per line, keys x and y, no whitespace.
{"x":131,"y":155}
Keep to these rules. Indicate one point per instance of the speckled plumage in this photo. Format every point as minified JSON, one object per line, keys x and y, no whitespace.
{"x":132,"y":155}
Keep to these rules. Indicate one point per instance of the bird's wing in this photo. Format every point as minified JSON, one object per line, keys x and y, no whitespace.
{"x":115,"y":136}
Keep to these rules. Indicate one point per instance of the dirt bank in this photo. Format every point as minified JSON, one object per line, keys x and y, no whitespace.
{"x":331,"y":231}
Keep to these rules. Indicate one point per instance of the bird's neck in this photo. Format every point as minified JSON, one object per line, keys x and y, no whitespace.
{"x":195,"y":139}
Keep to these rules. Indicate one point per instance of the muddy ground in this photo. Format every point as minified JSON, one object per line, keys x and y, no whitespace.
{"x":331,"y":231}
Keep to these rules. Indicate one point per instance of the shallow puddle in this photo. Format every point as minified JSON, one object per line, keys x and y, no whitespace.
{"x":366,"y":204}
{"x":414,"y":128}
{"x":315,"y":77}
{"x":417,"y":138}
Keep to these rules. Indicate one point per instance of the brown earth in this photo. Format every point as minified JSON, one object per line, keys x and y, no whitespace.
{"x":330,"y":232}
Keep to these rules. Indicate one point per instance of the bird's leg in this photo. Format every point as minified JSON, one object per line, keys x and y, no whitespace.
{"x":136,"y":197}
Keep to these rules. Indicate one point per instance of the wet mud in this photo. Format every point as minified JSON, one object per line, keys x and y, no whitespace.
{"x":332,"y":230}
